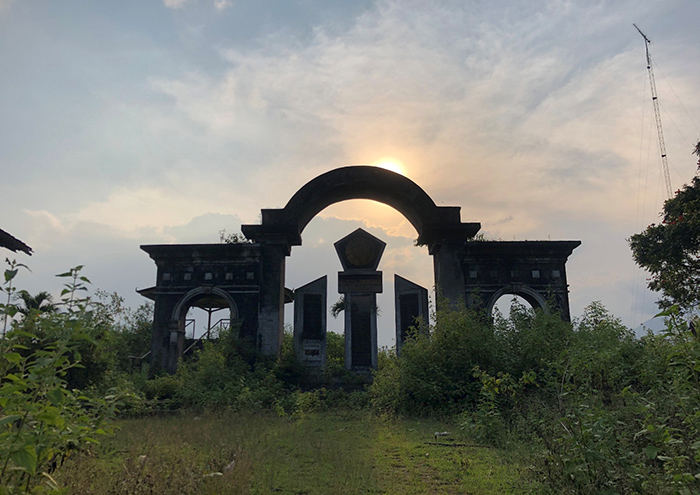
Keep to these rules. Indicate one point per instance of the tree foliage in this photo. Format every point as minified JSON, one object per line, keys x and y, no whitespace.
{"x":42,"y":302}
{"x":233,"y":238}
{"x":670,"y":251}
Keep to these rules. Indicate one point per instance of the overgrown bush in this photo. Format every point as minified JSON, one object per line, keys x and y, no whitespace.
{"x":601,"y":410}
{"x":607,"y":412}
{"x":630,"y":420}
{"x":530,"y":340}
{"x":43,"y":419}
{"x":109,"y":332}
{"x":436,"y":371}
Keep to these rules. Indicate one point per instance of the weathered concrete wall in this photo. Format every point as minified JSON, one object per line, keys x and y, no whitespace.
{"x":271,"y":309}
{"x":449,"y":277}
{"x":189,"y":272}
{"x":310,"y":319}
{"x":410,"y":304}
{"x":534,"y":270}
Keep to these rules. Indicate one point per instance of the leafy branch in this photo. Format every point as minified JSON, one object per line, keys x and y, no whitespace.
{"x":71,"y":289}
{"x":9,"y":310}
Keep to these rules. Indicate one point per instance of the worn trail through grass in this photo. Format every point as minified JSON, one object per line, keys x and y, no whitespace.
{"x":319,"y":453}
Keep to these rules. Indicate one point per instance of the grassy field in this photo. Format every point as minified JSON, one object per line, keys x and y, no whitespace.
{"x":319,"y":453}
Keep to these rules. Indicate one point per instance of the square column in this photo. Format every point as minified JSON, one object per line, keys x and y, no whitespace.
{"x":360,"y":331}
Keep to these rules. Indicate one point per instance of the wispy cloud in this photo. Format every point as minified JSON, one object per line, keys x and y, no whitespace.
{"x":222,"y":4}
{"x":453,"y":91}
{"x":174,"y":4}
{"x":177,"y":4}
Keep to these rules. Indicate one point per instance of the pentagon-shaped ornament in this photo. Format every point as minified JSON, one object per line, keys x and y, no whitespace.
{"x":360,"y":250}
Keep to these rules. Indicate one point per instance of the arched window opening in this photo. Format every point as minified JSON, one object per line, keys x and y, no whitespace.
{"x":206,"y":318}
{"x":204,"y":314}
{"x":509,"y":304}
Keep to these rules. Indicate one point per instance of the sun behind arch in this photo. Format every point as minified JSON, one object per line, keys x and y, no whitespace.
{"x":390,"y":163}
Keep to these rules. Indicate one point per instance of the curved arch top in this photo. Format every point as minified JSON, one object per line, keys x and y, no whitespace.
{"x":534,"y":298}
{"x":362,"y":182}
{"x":183,"y":304}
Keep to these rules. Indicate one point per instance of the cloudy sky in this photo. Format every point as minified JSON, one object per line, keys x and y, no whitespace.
{"x":164,"y":121}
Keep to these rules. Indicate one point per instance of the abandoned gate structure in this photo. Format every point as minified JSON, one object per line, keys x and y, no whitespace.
{"x":247,"y":280}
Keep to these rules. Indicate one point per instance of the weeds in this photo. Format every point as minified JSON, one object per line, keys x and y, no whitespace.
{"x":43,"y":421}
{"x":338,"y":452}
{"x":595,"y":409}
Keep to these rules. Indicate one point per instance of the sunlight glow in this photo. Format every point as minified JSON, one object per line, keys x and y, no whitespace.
{"x":390,"y":163}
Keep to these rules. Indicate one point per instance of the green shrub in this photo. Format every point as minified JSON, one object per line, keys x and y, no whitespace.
{"x":129,"y":335}
{"x":162,"y":387}
{"x":42,"y":421}
{"x":531,"y":340}
{"x":630,"y":420}
{"x":604,"y":356}
{"x":335,"y":354}
{"x":435,"y":370}
{"x":95,"y":326}
{"x":209,"y":379}
{"x":435,"y":373}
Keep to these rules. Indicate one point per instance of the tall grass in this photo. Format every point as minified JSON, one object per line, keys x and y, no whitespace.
{"x":340,"y":452}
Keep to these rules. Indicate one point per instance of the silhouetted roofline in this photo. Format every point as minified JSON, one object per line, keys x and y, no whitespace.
{"x":13,"y":244}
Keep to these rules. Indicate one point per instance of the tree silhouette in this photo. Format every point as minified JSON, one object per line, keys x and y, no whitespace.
{"x":42,"y":302}
{"x":670,"y":251}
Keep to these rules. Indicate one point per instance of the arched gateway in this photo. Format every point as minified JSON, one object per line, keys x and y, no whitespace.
{"x":252,"y":275}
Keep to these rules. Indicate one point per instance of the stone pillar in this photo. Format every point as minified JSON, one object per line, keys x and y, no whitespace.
{"x":271,"y":309}
{"x":235,"y":327}
{"x":561,"y":296}
{"x":176,"y":343}
{"x":449,"y":276}
{"x":161,"y":349}
{"x":360,"y":282}
{"x":360,"y":330}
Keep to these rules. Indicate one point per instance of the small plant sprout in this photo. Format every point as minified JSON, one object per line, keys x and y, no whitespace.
{"x":69,"y":293}
{"x":9,"y":310}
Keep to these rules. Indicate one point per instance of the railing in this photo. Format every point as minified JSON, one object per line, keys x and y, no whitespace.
{"x":222,"y":324}
{"x":136,"y":360}
{"x":212,"y":333}
{"x":190,"y":323}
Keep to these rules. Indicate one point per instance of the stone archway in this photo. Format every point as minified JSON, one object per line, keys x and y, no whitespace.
{"x":534,"y":270}
{"x":191,"y":274}
{"x":439,"y":227}
{"x":213,"y":297}
{"x":470,"y":273}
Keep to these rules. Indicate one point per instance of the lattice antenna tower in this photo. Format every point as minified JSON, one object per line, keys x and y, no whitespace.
{"x":657,"y":115}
